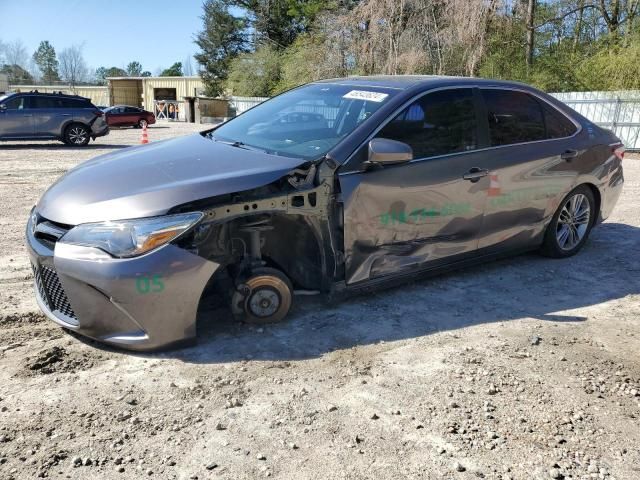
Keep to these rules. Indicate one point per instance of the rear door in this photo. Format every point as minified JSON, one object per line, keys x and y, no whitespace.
{"x":398,"y":218}
{"x":49,"y":116}
{"x":17,"y":119}
{"x":532,"y":157}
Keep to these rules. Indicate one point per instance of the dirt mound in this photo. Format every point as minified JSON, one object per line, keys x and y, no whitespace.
{"x":57,"y":360}
{"x":15,"y":319}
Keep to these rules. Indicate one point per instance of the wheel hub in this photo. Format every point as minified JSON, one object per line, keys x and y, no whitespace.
{"x":264,"y":303}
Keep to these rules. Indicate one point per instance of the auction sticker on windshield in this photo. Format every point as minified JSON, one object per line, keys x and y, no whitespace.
{"x":365,"y":95}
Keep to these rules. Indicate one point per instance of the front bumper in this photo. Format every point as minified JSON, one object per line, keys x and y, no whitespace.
{"x":142,"y":303}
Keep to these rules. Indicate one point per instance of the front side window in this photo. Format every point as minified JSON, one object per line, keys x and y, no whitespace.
{"x":439,"y":123}
{"x":514,"y":117}
{"x":306,"y":122}
{"x":16,"y":103}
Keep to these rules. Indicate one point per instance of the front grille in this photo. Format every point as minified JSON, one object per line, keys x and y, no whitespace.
{"x":49,"y":232}
{"x":51,"y":291}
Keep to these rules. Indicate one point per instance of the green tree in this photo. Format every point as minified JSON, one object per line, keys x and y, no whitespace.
{"x":134,"y":69}
{"x":174,"y":70}
{"x":116,"y":72}
{"x":100,"y":75}
{"x":16,"y":74}
{"x":146,"y":73}
{"x":223,"y":37}
{"x":45,"y":58}
{"x":279,"y":23}
{"x":254,"y":74}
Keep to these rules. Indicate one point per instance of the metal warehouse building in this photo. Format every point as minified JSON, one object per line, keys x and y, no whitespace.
{"x":167,"y":97}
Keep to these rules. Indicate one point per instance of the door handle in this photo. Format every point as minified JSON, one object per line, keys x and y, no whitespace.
{"x":569,"y":155}
{"x":27,"y":115}
{"x":475,"y":174}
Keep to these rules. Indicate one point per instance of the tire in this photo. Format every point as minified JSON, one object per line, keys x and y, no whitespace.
{"x":570,"y":226}
{"x":77,"y":135}
{"x":141,"y":123}
{"x":265,"y":297}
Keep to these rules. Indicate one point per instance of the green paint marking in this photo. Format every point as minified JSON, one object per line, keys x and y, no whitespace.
{"x":146,"y":284}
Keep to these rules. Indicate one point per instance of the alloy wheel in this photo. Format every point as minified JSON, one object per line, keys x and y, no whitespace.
{"x":573,"y":222}
{"x":78,"y":135}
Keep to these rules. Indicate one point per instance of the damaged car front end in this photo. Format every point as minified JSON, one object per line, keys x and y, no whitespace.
{"x":123,"y":246}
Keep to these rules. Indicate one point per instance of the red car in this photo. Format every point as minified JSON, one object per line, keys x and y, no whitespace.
{"x":126,"y":116}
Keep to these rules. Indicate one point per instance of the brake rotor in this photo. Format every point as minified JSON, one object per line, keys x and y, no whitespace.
{"x":269,"y":297}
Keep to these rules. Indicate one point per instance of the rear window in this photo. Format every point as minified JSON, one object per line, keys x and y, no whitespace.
{"x":514,"y":117}
{"x":74,"y":103}
{"x":44,"y":102}
{"x":558,"y":125}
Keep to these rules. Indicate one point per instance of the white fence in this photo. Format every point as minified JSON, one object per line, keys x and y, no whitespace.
{"x":241,"y":104}
{"x":617,"y":111}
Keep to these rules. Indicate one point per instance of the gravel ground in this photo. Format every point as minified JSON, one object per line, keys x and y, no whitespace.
{"x":526,"y":368}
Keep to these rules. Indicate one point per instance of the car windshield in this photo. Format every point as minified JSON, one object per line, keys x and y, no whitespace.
{"x":3,"y":98}
{"x":306,"y":122}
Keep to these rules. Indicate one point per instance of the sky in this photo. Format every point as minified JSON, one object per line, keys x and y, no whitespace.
{"x":157,"y":33}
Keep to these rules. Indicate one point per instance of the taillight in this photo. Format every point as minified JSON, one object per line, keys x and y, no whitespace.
{"x":618,"y":151}
{"x":98,"y":113}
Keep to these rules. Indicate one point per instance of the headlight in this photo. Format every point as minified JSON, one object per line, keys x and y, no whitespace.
{"x":129,"y":238}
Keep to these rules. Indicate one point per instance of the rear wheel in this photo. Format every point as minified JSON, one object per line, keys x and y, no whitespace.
{"x":142,"y":123}
{"x":77,"y":135}
{"x":571,"y":224}
{"x":265,"y":297}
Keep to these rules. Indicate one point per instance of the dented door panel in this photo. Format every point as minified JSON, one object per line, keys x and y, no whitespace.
{"x":402,"y":217}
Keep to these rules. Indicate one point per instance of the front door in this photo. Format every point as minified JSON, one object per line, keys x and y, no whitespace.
{"x":16,"y":120}
{"x":403,"y":217}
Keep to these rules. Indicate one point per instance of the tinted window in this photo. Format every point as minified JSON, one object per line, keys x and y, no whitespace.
{"x":514,"y":117}
{"x":131,"y":110}
{"x":45,"y":102}
{"x":73,"y":103}
{"x":16,"y":103}
{"x":558,"y":125}
{"x":437,"y":124}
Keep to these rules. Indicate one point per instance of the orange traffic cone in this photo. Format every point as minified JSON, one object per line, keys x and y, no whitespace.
{"x":494,"y":186}
{"x":145,"y":136}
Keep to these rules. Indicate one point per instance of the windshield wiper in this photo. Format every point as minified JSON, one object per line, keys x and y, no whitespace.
{"x":239,"y":144}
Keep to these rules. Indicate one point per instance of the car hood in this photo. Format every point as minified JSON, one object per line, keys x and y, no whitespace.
{"x":151,"y":179}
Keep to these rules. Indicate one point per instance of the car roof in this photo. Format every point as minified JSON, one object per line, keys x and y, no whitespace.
{"x":404,"y":82}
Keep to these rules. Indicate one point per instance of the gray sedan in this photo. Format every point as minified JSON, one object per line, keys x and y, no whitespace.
{"x":395,"y":178}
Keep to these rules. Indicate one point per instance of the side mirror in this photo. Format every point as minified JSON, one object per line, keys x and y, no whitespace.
{"x":3,"y":107}
{"x":384,"y":151}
